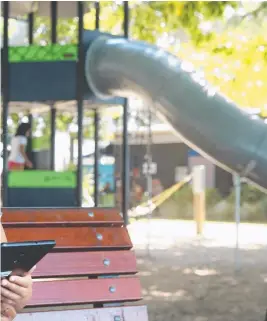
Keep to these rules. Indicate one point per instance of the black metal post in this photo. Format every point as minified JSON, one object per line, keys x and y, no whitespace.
{"x":30,"y":121}
{"x":96,"y":124}
{"x":53,"y":5}
{"x":71,"y":149}
{"x":97,"y":15}
{"x":30,"y":116}
{"x":79,"y":81}
{"x":5,"y":100}
{"x":125,"y":143}
{"x":126,"y":21}
{"x":29,"y":144}
{"x":30,"y":27}
{"x":53,"y":112}
{"x":96,"y":157}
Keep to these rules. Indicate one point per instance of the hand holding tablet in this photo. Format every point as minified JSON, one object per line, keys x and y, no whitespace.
{"x":21,"y":257}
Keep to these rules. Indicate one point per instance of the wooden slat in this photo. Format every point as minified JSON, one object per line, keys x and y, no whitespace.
{"x":60,"y":216}
{"x":135,"y":313}
{"x":68,"y":292}
{"x":86,"y":263}
{"x":74,"y":237}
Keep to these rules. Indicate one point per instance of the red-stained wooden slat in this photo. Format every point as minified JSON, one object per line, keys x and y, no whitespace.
{"x":135,"y":313}
{"x":60,"y":216}
{"x":67,"y":292}
{"x":74,"y":237}
{"x":86,"y":263}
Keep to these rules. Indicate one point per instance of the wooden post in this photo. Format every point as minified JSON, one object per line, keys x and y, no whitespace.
{"x":199,"y":189}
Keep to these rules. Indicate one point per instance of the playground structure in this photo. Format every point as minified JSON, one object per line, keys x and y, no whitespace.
{"x":50,"y":188}
{"x":174,"y":88}
{"x":98,"y":69}
{"x":110,"y":65}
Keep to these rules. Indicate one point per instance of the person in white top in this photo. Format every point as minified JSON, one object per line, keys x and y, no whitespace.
{"x":18,"y":157}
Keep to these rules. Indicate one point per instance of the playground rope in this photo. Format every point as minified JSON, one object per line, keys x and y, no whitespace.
{"x":157,"y":200}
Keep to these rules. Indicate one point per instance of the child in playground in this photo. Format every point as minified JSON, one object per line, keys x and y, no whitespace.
{"x":15,"y":292}
{"x":18,"y":157}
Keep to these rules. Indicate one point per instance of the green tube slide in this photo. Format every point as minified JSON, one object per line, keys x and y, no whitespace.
{"x":204,"y":119}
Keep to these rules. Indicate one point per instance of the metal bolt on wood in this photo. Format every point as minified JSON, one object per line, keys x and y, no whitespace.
{"x":112,"y":289}
{"x":91,"y":214}
{"x":106,"y":262}
{"x":99,"y":236}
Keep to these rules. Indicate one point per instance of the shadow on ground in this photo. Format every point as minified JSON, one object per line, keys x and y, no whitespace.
{"x":194,"y":279}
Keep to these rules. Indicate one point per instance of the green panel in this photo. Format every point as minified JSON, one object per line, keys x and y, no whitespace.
{"x":107,"y":200}
{"x":34,"y":53}
{"x":41,"y":143}
{"x":42,"y":179}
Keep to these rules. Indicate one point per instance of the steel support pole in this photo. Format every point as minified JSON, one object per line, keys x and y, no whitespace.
{"x":79,"y":91}
{"x":30,"y":27}
{"x":96,"y":124}
{"x":96,"y":157}
{"x":29,"y":144}
{"x":5,"y":102}
{"x":53,"y":113}
{"x":125,"y":143}
{"x":97,"y":15}
{"x":149,"y":180}
{"x":237,"y":184}
{"x":30,"y":116}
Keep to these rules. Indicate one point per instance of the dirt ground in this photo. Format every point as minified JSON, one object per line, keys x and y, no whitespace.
{"x":189,"y":278}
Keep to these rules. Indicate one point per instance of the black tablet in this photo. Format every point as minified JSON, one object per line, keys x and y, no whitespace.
{"x":17,"y":256}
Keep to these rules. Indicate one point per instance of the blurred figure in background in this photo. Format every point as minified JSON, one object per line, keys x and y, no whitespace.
{"x":18,"y":158}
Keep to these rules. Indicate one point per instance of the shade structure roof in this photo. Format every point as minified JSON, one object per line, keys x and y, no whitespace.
{"x":64,"y":106}
{"x":66,"y":9}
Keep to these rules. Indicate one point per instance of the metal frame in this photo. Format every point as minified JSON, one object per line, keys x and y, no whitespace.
{"x":96,"y":157}
{"x":80,"y":78}
{"x":5,"y":101}
{"x":30,"y":116}
{"x":30,"y":27}
{"x":53,"y":112}
{"x":79,"y":90}
{"x":29,"y":145}
{"x":96,"y":124}
{"x":125,"y":143}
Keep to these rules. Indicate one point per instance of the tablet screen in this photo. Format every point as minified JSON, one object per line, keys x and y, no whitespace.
{"x":17,"y":257}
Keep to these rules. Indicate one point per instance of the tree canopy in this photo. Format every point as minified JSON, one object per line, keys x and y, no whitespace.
{"x":226,"y":39}
{"x":149,"y":19}
{"x":235,"y":63}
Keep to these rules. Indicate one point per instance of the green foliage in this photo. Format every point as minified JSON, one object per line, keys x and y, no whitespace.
{"x":149,"y":19}
{"x":180,"y":205}
{"x":232,"y":60}
{"x":249,"y":194}
{"x":234,"y":63}
{"x":41,"y":143}
{"x":213,"y":197}
{"x":228,"y":59}
{"x":67,"y":31}
{"x":188,"y":15}
{"x":64,"y":120}
{"x":71,"y":167}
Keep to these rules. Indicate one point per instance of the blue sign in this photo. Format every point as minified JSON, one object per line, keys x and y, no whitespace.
{"x":106,"y":175}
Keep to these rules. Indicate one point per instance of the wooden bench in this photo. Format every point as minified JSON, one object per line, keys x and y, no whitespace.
{"x":91,"y":273}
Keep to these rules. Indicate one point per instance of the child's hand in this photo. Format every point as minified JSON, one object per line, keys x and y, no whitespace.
{"x":8,"y":313}
{"x":29,"y":164}
{"x":17,"y":291}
